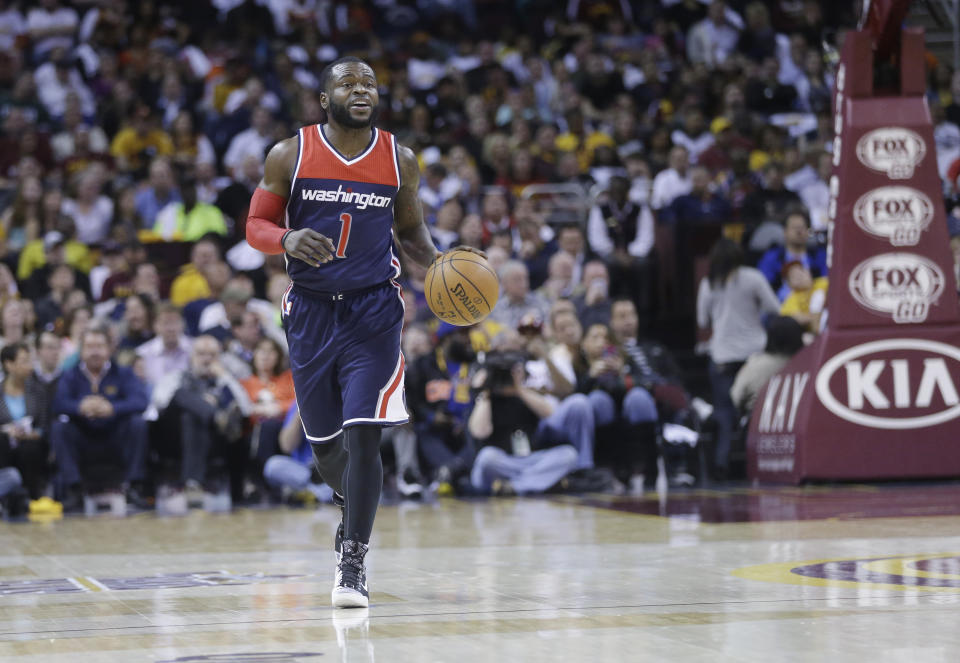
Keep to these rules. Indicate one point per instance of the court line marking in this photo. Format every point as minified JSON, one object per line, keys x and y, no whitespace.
{"x":491,"y":612}
{"x":782,"y":573}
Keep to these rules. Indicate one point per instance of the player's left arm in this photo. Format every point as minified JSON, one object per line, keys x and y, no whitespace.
{"x":412,"y":232}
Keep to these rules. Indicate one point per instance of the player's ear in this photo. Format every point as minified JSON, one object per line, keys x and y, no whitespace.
{"x":323,"y":100}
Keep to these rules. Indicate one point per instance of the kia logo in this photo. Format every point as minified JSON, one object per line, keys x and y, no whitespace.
{"x":903,"y":285}
{"x":897,"y":213}
{"x":891,"y":150}
{"x":907,"y":374}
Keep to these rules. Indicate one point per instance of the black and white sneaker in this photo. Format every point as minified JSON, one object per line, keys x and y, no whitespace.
{"x":409,"y":485}
{"x":350,"y":589}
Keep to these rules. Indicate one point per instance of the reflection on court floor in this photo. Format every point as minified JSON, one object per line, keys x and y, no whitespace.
{"x":819,"y":573}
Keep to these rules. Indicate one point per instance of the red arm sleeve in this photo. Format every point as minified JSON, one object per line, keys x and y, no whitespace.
{"x":265,"y":229}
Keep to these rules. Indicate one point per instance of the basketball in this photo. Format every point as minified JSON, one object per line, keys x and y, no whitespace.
{"x":461,"y":288}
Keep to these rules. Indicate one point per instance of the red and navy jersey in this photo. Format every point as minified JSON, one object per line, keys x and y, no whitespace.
{"x":351,"y":202}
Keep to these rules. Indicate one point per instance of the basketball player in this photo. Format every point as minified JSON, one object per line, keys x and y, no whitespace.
{"x":332,"y":199}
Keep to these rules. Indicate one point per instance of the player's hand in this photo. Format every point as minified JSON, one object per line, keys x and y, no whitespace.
{"x":309,"y":246}
{"x":470,"y":249}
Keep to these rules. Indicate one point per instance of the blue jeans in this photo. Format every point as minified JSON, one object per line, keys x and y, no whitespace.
{"x":528,"y":474}
{"x":638,"y":407}
{"x":444,"y":449}
{"x":724,"y":411}
{"x":284,"y":472}
{"x":572,"y":421}
{"x":9,"y":480}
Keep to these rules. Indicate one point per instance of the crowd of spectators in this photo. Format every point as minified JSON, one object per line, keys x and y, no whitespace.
{"x":596,"y":149}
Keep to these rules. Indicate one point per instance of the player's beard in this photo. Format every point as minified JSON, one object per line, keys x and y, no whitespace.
{"x":341,"y":113}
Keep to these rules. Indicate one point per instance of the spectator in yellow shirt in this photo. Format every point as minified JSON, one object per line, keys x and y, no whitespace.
{"x":189,"y":220}
{"x":807,"y":297}
{"x":581,"y":140}
{"x":135,"y":145}
{"x":75,"y":254}
{"x":191,"y":284}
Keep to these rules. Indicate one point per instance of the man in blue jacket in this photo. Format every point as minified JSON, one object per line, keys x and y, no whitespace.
{"x":99,"y":408}
{"x":796,"y":247}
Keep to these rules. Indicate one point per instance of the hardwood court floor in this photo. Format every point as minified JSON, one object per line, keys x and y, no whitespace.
{"x":855,"y":573}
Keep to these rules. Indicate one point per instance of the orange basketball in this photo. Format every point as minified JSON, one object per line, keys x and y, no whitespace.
{"x":461,"y":288}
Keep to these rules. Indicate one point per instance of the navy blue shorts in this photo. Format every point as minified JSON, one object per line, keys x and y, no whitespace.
{"x":345,"y":358}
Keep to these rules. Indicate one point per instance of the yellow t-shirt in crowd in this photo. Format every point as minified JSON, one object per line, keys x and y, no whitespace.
{"x":190,"y":285}
{"x":130,"y":145}
{"x":806,"y":301}
{"x":33,"y":256}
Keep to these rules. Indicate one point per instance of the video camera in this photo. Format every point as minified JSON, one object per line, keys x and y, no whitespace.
{"x":499,"y":365}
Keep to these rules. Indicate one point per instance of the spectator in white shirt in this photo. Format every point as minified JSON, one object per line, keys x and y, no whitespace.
{"x":445,"y":231}
{"x":63,"y":143}
{"x":12,"y":25}
{"x":816,"y":194}
{"x":946,"y":136}
{"x":58,"y":79}
{"x":673,"y":181}
{"x":168,"y":351}
{"x":51,"y":25}
{"x":438,"y":186}
{"x":695,"y":135}
{"x":251,"y":95}
{"x":516,"y":300}
{"x":90,"y":210}
{"x":251,"y":142}
{"x":712,"y":40}
{"x":621,"y":232}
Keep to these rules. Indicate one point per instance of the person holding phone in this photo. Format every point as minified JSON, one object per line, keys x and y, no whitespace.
{"x":24,"y":419}
{"x":609,"y":378}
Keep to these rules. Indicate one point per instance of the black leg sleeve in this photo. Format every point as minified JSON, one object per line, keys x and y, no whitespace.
{"x":362,"y":481}
{"x":331,"y":461}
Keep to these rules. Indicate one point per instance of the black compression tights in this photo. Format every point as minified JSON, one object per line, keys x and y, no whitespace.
{"x":331,"y":459}
{"x":362,"y":481}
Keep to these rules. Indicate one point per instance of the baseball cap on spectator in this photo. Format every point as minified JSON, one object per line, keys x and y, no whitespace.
{"x":53,"y":239}
{"x":719,"y":124}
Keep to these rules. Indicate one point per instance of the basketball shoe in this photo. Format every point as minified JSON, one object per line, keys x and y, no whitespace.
{"x":350,"y":590}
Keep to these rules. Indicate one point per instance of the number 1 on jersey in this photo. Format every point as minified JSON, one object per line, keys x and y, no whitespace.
{"x":345,"y":219}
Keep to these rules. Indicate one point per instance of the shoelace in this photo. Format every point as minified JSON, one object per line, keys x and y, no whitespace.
{"x":351,"y":572}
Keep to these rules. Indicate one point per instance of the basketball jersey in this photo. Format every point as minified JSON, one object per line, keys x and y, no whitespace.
{"x":351,"y":202}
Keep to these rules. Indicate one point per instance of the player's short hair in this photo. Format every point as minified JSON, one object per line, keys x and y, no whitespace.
{"x":327,"y":72}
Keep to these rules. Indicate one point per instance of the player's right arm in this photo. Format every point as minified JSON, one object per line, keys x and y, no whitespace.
{"x":265,"y":226}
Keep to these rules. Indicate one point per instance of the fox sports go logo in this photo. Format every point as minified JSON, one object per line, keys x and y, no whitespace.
{"x":892,"y":150}
{"x":897,"y":213}
{"x":901,"y":284}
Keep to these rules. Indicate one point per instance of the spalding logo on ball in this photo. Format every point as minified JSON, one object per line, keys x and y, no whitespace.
{"x":461,"y":288}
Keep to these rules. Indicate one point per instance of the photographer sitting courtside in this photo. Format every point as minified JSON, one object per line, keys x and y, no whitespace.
{"x":528,"y":440}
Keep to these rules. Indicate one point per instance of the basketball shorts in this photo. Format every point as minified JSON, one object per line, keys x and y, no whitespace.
{"x":345,"y":357}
